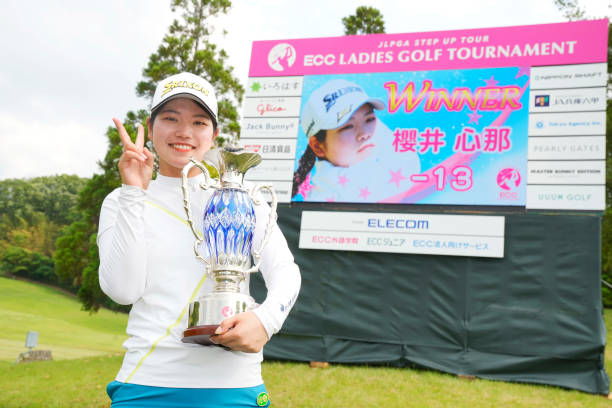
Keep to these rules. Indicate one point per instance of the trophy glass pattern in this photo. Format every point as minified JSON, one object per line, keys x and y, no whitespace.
{"x":228,"y":230}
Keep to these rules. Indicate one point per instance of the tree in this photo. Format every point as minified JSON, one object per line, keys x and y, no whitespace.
{"x":570,"y":9}
{"x":22,"y":262}
{"x":186,"y":47}
{"x":367,"y":20}
{"x":34,"y":210}
{"x":76,"y":256}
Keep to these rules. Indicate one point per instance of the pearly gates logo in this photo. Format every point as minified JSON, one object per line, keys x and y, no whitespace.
{"x":281,"y":57}
{"x":508,"y":180}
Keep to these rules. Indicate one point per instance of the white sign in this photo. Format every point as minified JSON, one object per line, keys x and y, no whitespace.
{"x":458,"y":235}
{"x":277,"y":128}
{"x":567,"y":100}
{"x":271,"y":148}
{"x":567,"y":172}
{"x":275,"y":86}
{"x":588,"y":198}
{"x":282,"y":107}
{"x":568,"y":76}
{"x":278,"y":170}
{"x":567,"y":124}
{"x":567,"y":148}
{"x":282,"y":189}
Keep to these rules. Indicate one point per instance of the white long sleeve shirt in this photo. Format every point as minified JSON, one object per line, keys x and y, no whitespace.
{"x":147,"y":260}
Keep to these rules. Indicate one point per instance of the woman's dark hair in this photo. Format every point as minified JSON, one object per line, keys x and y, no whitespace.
{"x":306,"y":163}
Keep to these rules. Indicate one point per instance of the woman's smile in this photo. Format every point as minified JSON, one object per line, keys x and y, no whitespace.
{"x":183,"y":148}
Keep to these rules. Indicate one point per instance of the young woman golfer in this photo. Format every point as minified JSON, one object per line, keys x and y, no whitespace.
{"x":147,"y":260}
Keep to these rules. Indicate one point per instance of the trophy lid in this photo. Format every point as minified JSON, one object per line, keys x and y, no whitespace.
{"x":232,"y":162}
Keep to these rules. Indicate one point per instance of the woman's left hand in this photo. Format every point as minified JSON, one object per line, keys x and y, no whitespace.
{"x":243,"y":332}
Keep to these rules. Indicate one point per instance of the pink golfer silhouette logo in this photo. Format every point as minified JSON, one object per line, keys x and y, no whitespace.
{"x":227,"y":311}
{"x":281,"y":57}
{"x":508,"y":179}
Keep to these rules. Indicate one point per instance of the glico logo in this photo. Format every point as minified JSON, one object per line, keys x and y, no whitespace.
{"x":281,"y":57}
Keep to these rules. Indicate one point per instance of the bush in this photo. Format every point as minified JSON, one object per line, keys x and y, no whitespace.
{"x":28,"y":264}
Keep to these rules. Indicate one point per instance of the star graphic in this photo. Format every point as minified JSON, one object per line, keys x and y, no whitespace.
{"x":305,"y":187}
{"x":364,"y":192}
{"x":522,"y":71}
{"x":396,"y":177}
{"x":491,"y":81}
{"x":474,"y":117}
{"x":256,"y":87}
{"x":342,"y":180}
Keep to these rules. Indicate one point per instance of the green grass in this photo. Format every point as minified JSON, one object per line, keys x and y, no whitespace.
{"x":61,"y":324}
{"x":81,"y":382}
{"x":58,"y":384}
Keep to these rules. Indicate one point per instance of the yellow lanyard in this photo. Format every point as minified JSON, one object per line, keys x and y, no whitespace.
{"x":178,"y":320}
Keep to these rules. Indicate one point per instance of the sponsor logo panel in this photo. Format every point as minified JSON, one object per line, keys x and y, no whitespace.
{"x":282,"y":128}
{"x":566,"y":148}
{"x":271,"y":148}
{"x":403,"y":233}
{"x":410,"y":243}
{"x":568,"y":76}
{"x":282,"y":107}
{"x":567,"y":124}
{"x":271,"y":170}
{"x":429,"y":223}
{"x":587,"y":198}
{"x":274,"y":86}
{"x":567,"y":100}
{"x":282,"y":189}
{"x":587,"y":172}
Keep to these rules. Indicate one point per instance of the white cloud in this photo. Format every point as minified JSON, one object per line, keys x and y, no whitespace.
{"x":68,"y":68}
{"x":35,"y":148}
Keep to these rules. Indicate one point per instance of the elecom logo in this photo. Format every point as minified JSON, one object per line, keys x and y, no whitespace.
{"x":508,"y":180}
{"x":281,"y":57}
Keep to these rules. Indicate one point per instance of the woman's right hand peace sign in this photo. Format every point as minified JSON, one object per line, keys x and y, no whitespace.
{"x":136,"y":162}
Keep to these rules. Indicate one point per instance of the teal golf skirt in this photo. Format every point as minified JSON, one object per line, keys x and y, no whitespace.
{"x":125,"y":395}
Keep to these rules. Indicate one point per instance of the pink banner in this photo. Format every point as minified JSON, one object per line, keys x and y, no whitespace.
{"x":577,"y":42}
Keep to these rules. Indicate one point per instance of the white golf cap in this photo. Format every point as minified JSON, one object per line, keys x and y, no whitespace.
{"x":333,"y":104}
{"x":186,"y":85}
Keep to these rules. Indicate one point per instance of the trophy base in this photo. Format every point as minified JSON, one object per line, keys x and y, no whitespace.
{"x":200,"y":335}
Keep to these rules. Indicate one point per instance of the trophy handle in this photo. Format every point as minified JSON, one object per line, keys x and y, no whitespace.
{"x":271,"y":220}
{"x":206,"y":184}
